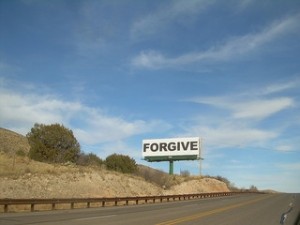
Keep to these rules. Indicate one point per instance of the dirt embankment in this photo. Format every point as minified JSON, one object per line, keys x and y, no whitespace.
{"x":21,"y":177}
{"x":12,"y":142}
{"x":91,"y":184}
{"x":75,"y":185}
{"x":203,"y":185}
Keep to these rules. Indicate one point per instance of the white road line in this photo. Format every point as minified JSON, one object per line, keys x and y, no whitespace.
{"x":95,"y":217}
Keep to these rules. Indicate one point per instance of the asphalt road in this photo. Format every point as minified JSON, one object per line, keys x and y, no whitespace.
{"x":246,"y":209}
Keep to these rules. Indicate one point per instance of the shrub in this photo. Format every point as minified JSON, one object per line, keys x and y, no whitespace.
{"x":89,"y":160}
{"x":185,"y":173}
{"x":157,"y":177}
{"x":53,"y":143}
{"x":121,"y":163}
{"x":21,"y":153}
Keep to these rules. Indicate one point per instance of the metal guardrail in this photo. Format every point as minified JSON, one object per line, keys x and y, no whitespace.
{"x":103,"y":201}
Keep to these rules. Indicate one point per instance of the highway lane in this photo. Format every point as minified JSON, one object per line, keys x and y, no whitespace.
{"x":246,"y":209}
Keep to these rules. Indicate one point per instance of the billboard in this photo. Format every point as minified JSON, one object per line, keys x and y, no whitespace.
{"x":171,"y":149}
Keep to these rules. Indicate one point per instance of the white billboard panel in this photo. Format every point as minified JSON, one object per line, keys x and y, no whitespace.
{"x":172,"y":147}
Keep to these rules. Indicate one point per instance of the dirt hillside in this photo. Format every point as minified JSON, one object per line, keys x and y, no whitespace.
{"x":21,"y":177}
{"x":24,"y":178}
{"x":198,"y":186}
{"x":12,"y":142}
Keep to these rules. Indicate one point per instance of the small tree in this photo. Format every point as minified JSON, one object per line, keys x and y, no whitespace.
{"x":121,"y":163}
{"x":53,"y":143}
{"x":89,"y":160}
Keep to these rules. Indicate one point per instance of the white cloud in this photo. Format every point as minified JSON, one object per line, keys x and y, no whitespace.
{"x":248,"y":108}
{"x":243,"y":4}
{"x":281,"y":87}
{"x":230,"y":135}
{"x":154,"y":22}
{"x":290,"y":166}
{"x":119,"y":147}
{"x":260,"y":109}
{"x":284,"y":148}
{"x":102,"y":128}
{"x":19,"y":111}
{"x":150,"y":59}
{"x":275,"y":88}
{"x":236,"y":123}
{"x":230,"y":49}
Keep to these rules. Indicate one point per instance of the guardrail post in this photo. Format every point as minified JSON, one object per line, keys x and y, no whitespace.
{"x":103,"y":203}
{"x":137,"y":201}
{"x":5,"y":208}
{"x":53,"y":206}
{"x":88,"y":205}
{"x":116,"y":202}
{"x":32,"y":207}
{"x":72,"y":205}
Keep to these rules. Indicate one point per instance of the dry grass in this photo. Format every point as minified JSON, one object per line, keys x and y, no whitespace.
{"x":16,"y":166}
{"x":11,"y":142}
{"x":161,"y":178}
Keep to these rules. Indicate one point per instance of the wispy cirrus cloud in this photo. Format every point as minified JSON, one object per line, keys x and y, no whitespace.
{"x":275,"y":88}
{"x":236,"y":122}
{"x":290,"y":166}
{"x":230,"y":134}
{"x":248,"y":109}
{"x":230,"y":49}
{"x":284,"y":148}
{"x":173,"y":11}
{"x":260,"y":109}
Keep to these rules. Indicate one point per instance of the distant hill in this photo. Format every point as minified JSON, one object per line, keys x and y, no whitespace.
{"x":12,"y":142}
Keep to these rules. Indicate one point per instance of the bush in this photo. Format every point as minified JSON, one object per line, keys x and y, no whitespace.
{"x":53,"y":143}
{"x":21,"y":153}
{"x":121,"y":163}
{"x":89,"y":160}
{"x":158,"y":177}
{"x":185,"y":173}
{"x":230,"y":185}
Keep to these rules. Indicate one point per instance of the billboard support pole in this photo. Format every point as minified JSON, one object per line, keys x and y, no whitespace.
{"x":171,"y":167}
{"x":200,"y":158}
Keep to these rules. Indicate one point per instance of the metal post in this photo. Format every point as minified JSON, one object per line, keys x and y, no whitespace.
{"x":200,"y":158}
{"x":200,"y":168}
{"x":171,"y":167}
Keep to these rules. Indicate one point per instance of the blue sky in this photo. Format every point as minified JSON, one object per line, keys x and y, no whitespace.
{"x":117,"y":72}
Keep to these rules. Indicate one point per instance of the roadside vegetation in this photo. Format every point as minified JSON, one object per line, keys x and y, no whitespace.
{"x":53,"y":149}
